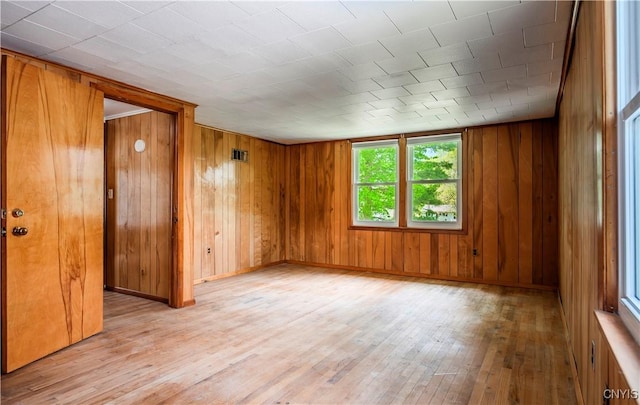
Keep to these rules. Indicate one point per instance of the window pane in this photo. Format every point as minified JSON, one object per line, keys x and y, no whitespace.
{"x":376,"y":203}
{"x":377,"y":165}
{"x":434,"y":202}
{"x":434,"y":160}
{"x":634,"y":134}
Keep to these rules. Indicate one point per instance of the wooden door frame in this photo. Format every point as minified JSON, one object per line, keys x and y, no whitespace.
{"x":180,"y":209}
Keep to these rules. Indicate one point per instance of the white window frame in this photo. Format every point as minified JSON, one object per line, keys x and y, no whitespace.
{"x":453,"y":225}
{"x":628,"y":19}
{"x":355,"y":148}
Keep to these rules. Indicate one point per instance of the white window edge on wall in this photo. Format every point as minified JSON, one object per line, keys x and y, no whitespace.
{"x":457,"y":225}
{"x":628,"y":105}
{"x":354,"y":172}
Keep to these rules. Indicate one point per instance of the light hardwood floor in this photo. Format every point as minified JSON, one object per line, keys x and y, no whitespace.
{"x":292,"y":334}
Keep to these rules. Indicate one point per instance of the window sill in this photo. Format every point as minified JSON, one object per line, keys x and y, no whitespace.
{"x":462,"y":231}
{"x":623,"y":347}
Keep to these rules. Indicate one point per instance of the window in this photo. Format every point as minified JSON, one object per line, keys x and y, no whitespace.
{"x":628,"y":19}
{"x":375,"y":183}
{"x":408,"y":183}
{"x":434,"y":182}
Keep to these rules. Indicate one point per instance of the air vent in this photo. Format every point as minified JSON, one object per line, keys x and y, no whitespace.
{"x":241,"y":155}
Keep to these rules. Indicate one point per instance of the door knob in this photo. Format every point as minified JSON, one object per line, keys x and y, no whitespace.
{"x":17,"y":213}
{"x":19,"y":231}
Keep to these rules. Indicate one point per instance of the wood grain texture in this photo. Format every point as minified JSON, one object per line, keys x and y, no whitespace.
{"x":358,"y":338}
{"x":140,"y":216}
{"x":181,"y":293}
{"x":499,"y":172}
{"x":583,"y":189}
{"x":240,"y":216}
{"x":52,"y":140}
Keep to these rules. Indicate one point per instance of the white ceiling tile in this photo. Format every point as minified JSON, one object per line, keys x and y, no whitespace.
{"x":271,"y":26}
{"x":412,"y":107}
{"x":487,"y":88}
{"x":391,"y":92}
{"x":425,"y":87}
{"x":563,"y":10}
{"x":353,"y":108}
{"x":463,"y":9}
{"x":355,"y":99}
{"x":434,"y":73}
{"x":105,"y":13}
{"x":454,"y":32}
{"x":558,"y":49}
{"x":417,"y":99}
{"x":258,"y":7}
{"x":395,"y":80}
{"x":507,"y":41}
{"x":84,"y":59}
{"x":211,"y":70}
{"x":480,"y":64}
{"x":401,"y":63}
{"x":364,"y":53}
{"x":538,"y":68}
{"x":136,"y":38}
{"x":289,"y":71}
{"x":194,"y":52}
{"x":146,"y":6}
{"x":434,"y":111}
{"x":229,"y":40}
{"x":544,"y":34}
{"x":493,"y":104}
{"x":498,"y":75}
{"x":389,"y":103}
{"x":169,"y":24}
{"x":417,"y":15}
{"x":540,"y":80}
{"x":446,"y":54}
{"x":462,"y":81}
{"x":106,"y":49}
{"x":522,"y":15}
{"x":321,"y":41}
{"x":12,"y":12}
{"x":21,"y":45}
{"x":462,"y":108}
{"x":281,"y":52}
{"x":326,"y":63}
{"x":411,"y":42}
{"x":30,"y":5}
{"x":61,"y":20}
{"x":316,"y":15}
{"x":365,"y":29}
{"x":360,"y":86}
{"x":363,"y":71}
{"x":244,"y":62}
{"x":441,"y":103}
{"x":538,"y":53}
{"x":40,"y":35}
{"x":380,"y":112}
{"x":450,"y":94}
{"x":210,"y":15}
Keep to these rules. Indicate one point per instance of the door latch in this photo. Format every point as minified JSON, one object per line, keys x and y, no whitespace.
{"x":19,"y":231}
{"x":3,"y":232}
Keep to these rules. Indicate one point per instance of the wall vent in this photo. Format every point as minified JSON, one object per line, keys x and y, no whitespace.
{"x":241,"y":155}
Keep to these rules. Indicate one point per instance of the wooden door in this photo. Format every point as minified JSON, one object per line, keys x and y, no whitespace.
{"x":52,"y":170}
{"x":139,"y":204}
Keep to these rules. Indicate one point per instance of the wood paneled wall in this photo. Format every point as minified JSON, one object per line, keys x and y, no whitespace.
{"x":239,"y":206}
{"x":139,"y":216}
{"x":587,"y":200}
{"x":181,"y":293}
{"x":510,"y":189}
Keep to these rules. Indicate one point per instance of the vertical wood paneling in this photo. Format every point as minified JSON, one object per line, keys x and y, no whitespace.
{"x":508,"y":203}
{"x":499,"y":170}
{"x":242,"y":204}
{"x":490,"y":203}
{"x":139,"y":227}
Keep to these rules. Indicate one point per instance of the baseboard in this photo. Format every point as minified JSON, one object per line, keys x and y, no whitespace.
{"x":237,"y":272}
{"x":137,"y":294}
{"x":422,"y":275}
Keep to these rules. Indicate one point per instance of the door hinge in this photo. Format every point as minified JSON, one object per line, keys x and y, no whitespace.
{"x":3,"y":213}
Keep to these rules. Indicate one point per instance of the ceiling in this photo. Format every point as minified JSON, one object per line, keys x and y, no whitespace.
{"x":307,"y":71}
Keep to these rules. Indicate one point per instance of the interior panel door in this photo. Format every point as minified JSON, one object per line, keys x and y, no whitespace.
{"x":52,"y":190}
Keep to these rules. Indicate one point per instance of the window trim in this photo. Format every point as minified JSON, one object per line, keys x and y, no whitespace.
{"x":402,"y":168}
{"x":354,"y":184}
{"x":628,"y":66}
{"x":457,"y":225}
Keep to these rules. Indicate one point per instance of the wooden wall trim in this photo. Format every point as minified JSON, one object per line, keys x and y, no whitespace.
{"x":182,"y":272}
{"x":421,"y":275}
{"x":237,"y":272}
{"x":568,"y":51}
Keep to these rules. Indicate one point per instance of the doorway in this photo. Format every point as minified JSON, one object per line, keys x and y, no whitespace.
{"x":139,"y":168}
